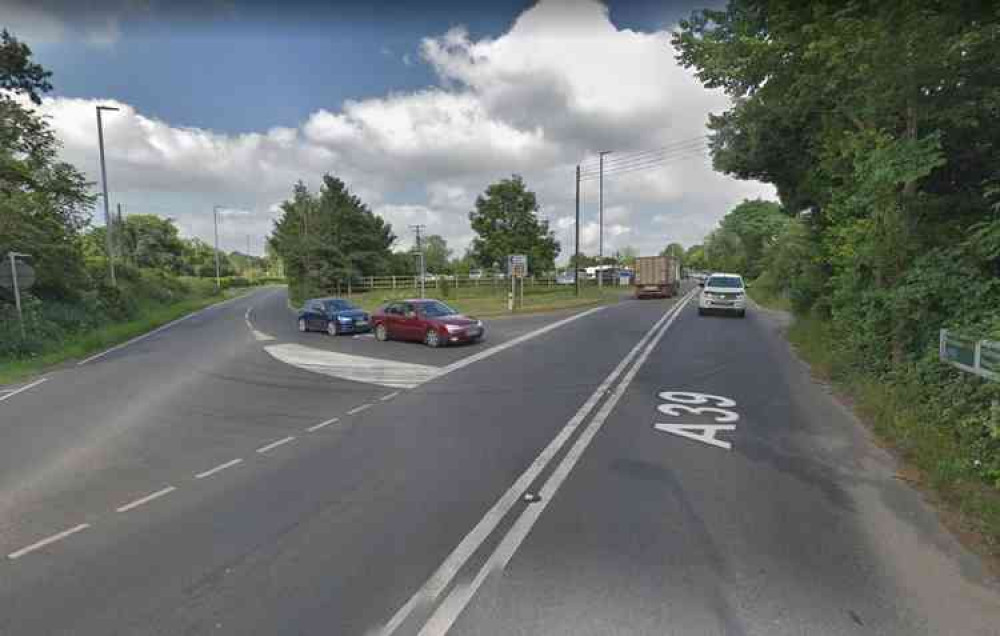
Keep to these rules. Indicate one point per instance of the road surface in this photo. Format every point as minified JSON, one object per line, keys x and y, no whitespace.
{"x":633,"y":469}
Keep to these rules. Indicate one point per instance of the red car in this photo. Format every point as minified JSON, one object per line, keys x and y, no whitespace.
{"x":430,"y":321}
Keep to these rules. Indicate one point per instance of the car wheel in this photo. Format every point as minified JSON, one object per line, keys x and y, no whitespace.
{"x":701,"y":312}
{"x":432,"y":338}
{"x":381,"y":333}
{"x":331,"y":328}
{"x":302,"y":325}
{"x":743,"y":313}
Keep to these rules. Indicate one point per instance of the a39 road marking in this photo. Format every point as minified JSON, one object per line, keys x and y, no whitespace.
{"x":686,"y":402}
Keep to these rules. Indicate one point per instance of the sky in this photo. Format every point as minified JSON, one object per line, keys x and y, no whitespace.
{"x":417,"y":108}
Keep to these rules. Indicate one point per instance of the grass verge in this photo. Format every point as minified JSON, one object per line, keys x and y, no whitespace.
{"x":85,"y":344}
{"x":487,"y":302}
{"x":919,"y":420}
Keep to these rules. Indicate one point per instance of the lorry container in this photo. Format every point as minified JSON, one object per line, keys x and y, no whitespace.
{"x":657,"y":277}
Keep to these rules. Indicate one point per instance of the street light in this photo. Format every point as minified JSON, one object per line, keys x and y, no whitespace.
{"x":218,"y":277}
{"x":104,"y":183}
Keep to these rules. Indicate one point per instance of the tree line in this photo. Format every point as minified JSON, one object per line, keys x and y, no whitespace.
{"x":877,"y":123}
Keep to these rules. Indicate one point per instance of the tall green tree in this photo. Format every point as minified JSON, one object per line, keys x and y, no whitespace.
{"x":506,"y":222}
{"x":329,"y":239}
{"x":44,"y":204}
{"x":675,"y":250}
{"x":437,"y":255}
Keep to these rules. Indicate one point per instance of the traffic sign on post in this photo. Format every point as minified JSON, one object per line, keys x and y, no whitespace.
{"x":517,"y":265}
{"x":25,"y":275}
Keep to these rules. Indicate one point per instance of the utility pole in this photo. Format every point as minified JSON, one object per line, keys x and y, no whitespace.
{"x":104,"y":184}
{"x":420,"y":253}
{"x":600,"y":224}
{"x":218,"y":274}
{"x":576,"y":264}
{"x":249,"y":262}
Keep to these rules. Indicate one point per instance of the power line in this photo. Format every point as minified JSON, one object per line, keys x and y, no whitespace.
{"x":689,"y":154}
{"x":650,"y":159}
{"x":625,"y":157}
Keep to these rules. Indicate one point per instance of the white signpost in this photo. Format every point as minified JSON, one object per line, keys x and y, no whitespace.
{"x":517,"y":269}
{"x":19,"y":276}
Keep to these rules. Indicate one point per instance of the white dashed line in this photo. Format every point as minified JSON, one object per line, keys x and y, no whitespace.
{"x":358,"y":409}
{"x":313,"y":429}
{"x":146,"y":499}
{"x":219,"y":468}
{"x":12,"y":393}
{"x":44,"y":542}
{"x":264,"y":449}
{"x":386,"y":398}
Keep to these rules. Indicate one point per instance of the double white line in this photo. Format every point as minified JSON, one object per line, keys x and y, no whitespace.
{"x":449,"y":610}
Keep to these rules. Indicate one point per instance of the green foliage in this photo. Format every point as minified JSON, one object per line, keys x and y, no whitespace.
{"x":506,"y":222}
{"x":437,"y":256}
{"x":877,"y":123}
{"x":676,"y":251}
{"x":328,"y":239}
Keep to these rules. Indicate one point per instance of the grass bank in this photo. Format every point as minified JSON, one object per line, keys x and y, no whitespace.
{"x":937,"y":419}
{"x":74,"y":346}
{"x":487,"y":302}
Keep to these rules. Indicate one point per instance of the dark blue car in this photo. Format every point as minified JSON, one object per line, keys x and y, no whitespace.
{"x":334,"y":316}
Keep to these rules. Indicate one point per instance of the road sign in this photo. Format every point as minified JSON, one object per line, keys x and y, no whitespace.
{"x":25,"y":275}
{"x":517,"y":265}
{"x":981,"y":357}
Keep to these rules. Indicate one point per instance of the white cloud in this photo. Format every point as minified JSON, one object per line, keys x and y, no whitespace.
{"x":560,"y":85}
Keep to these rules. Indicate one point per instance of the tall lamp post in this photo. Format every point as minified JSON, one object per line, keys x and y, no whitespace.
{"x":218,"y":275}
{"x":104,"y":183}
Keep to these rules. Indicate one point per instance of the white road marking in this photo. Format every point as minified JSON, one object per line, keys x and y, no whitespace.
{"x":264,"y":449}
{"x":12,"y":392}
{"x":313,"y":429}
{"x":358,"y":409}
{"x":390,"y":373}
{"x":492,"y":351}
{"x":454,"y":604}
{"x":260,"y":335}
{"x":49,"y":540}
{"x":156,"y":331}
{"x":146,"y":499}
{"x":454,"y":562}
{"x":398,"y":375}
{"x":386,"y":398}
{"x":705,"y":433}
{"x":219,"y":468}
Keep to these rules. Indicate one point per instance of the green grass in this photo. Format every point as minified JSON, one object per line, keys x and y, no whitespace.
{"x":487,"y":301}
{"x":763,"y":297}
{"x":897,"y":412}
{"x":82,"y":345}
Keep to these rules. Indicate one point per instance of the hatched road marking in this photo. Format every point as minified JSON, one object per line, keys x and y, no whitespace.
{"x":398,"y":375}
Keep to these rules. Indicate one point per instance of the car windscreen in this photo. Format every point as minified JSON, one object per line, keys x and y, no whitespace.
{"x":338,"y":305}
{"x":436,"y":310}
{"x":725,"y":281}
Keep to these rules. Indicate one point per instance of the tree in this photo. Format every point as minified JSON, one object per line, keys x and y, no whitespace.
{"x":44,"y":205}
{"x":328,"y":240}
{"x":674,"y":250}
{"x":436,"y":254}
{"x":758,"y":224}
{"x":506,"y":222}
{"x":147,"y":240}
{"x":627,"y":256}
{"x":694,"y":258}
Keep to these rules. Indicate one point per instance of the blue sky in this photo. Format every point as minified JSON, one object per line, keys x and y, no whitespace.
{"x":418,"y":110}
{"x":246,"y":66}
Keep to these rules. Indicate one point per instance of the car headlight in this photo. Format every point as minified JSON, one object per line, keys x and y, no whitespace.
{"x":453,"y":328}
{"x":343,"y":319}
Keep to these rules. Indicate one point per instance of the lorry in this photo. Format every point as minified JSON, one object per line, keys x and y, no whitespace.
{"x":657,"y":277}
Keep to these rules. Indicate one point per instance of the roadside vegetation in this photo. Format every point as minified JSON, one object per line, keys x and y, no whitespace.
{"x":73,"y":309}
{"x":877,"y":124}
{"x":490,"y":301}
